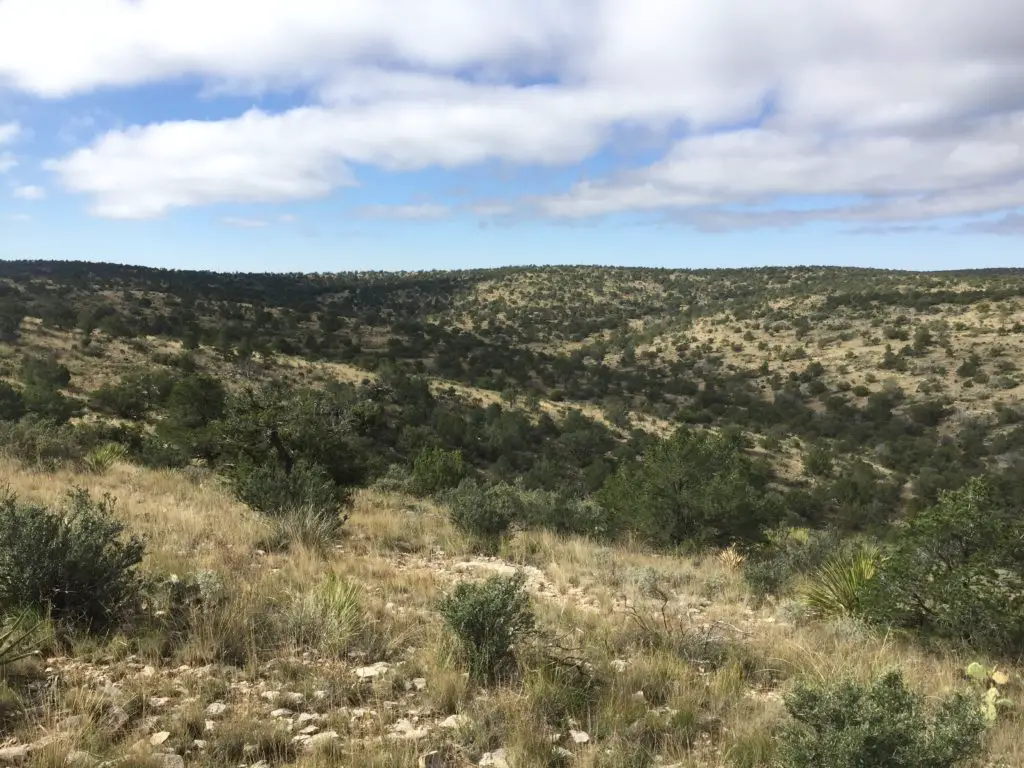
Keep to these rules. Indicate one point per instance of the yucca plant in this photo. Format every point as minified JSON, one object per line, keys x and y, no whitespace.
{"x":839,"y":587}
{"x":17,"y":639}
{"x":99,"y":460}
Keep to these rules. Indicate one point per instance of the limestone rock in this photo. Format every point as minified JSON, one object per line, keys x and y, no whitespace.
{"x":216,"y":709}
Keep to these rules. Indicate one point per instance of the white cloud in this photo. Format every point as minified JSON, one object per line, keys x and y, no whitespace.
{"x":8,"y":132}
{"x":883,"y":110}
{"x":29,"y":192}
{"x":7,"y":162}
{"x":19,"y":217}
{"x":234,"y":221}
{"x":421,"y":211}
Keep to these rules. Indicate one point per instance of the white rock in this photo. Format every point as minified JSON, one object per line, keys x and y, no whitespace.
{"x":15,"y":754}
{"x":496,"y":759}
{"x":148,"y":671}
{"x":295,"y":699}
{"x":199,"y":743}
{"x":282,"y":712}
{"x":309,"y":730}
{"x":619,"y":665}
{"x":455,"y":721}
{"x":307,"y":717}
{"x":216,"y":709}
{"x":419,"y":683}
{"x":373,"y":671}
{"x":159,"y":738}
{"x":159,"y":702}
{"x":404,"y":729}
{"x":270,"y":695}
{"x":579,"y":737}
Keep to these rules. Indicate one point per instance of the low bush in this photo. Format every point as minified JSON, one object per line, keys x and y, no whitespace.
{"x":848,"y":725}
{"x":73,"y":563}
{"x":488,"y":620}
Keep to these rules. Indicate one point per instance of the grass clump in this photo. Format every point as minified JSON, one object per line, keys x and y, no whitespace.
{"x":488,"y":620}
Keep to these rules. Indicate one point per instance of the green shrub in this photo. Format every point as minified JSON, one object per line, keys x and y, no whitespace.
{"x":956,"y":572}
{"x":436,"y":470}
{"x":44,"y":372}
{"x":485,"y":513}
{"x":12,"y":404}
{"x":488,"y":620}
{"x":771,"y":568}
{"x":696,"y":487}
{"x":848,"y":725}
{"x":73,"y":563}
{"x":50,"y":404}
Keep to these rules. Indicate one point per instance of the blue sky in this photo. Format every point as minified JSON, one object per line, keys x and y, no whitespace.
{"x":392,"y":134}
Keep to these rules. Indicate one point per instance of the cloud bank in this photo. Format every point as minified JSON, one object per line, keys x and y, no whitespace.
{"x":880,"y":113}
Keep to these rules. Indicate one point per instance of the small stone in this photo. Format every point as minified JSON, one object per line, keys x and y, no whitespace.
{"x":419,"y":683}
{"x":209,"y":725}
{"x":199,"y":744}
{"x":159,"y":738}
{"x":148,"y":671}
{"x":309,"y":730}
{"x":170,"y":760}
{"x":404,"y":729}
{"x":282,"y":712}
{"x":619,"y":665}
{"x":638,"y":696}
{"x":307,"y":717}
{"x":159,"y":702}
{"x":579,"y":737}
{"x":216,"y":709}
{"x":15,"y":754}
{"x":270,"y":695}
{"x":373,"y":671}
{"x":455,"y":721}
{"x":495,"y":759}
{"x":563,"y":752}
{"x":295,"y":699}
{"x":260,"y":764}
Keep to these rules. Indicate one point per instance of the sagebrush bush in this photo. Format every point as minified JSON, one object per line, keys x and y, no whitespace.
{"x":488,"y":620}
{"x":269,"y":489}
{"x":436,"y":470}
{"x":74,"y":563}
{"x":485,"y":513}
{"x":848,"y":725}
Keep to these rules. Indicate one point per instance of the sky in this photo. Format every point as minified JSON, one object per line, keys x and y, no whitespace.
{"x":308,"y":135}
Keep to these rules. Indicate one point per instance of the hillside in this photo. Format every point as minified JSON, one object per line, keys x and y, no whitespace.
{"x":673,"y":461}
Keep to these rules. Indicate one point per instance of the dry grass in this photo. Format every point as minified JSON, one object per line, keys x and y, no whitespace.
{"x":679,"y":664}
